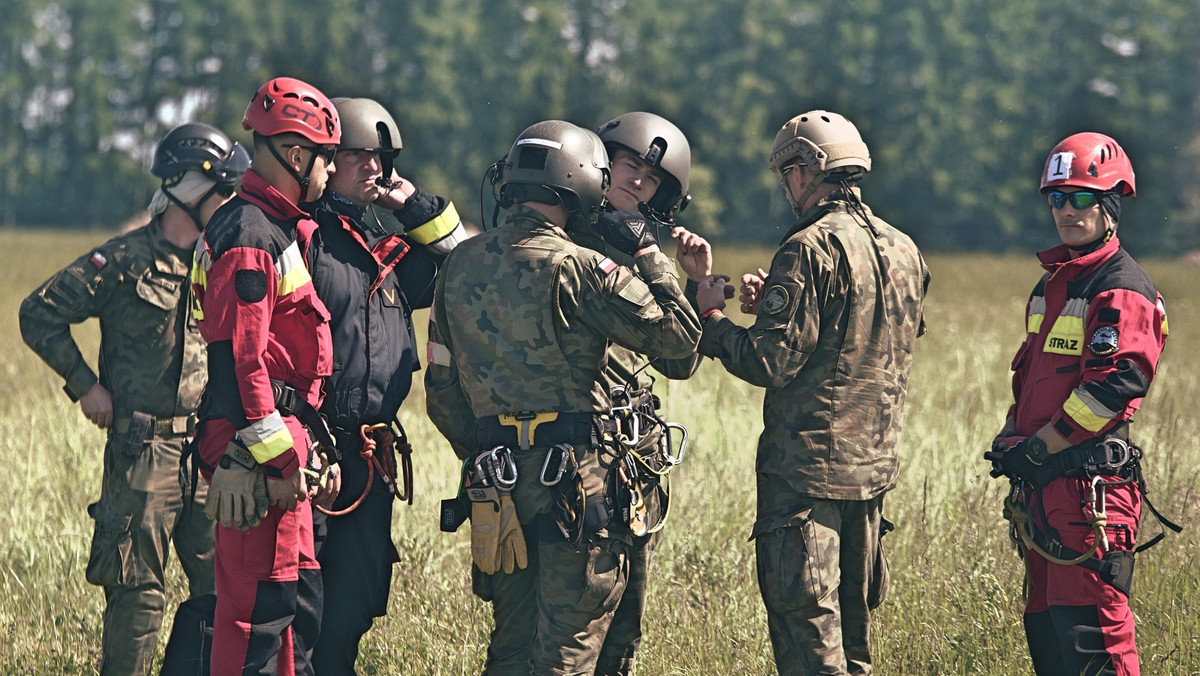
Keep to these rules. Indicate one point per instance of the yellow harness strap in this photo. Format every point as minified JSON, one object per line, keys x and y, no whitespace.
{"x":526,"y":424}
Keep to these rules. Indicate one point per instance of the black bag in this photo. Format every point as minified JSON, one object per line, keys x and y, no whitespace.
{"x":190,"y":645}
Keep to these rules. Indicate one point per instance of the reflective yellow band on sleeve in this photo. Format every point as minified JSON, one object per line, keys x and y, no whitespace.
{"x":199,"y":277}
{"x":438,"y":227}
{"x":1034,"y":323}
{"x":291,"y":270}
{"x":267,"y":438}
{"x":1086,"y":411}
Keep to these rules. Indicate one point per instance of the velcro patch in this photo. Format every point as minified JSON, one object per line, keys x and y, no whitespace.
{"x":775,"y":300}
{"x":436,"y":353}
{"x":1104,"y":341}
{"x":98,"y":260}
{"x":251,"y":285}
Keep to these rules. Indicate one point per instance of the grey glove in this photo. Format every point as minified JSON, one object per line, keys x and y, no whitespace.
{"x":237,"y":493}
{"x":626,"y":231}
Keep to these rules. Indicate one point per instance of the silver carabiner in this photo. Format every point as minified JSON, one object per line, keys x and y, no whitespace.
{"x":506,"y":468}
{"x":677,"y":458}
{"x":564,"y":451}
{"x":1096,"y":495}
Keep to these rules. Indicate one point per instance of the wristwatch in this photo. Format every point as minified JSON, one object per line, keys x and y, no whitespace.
{"x":1035,"y":450}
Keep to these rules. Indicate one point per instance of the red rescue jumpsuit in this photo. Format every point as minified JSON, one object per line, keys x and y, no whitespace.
{"x":1095,"y":327}
{"x":261,"y":317}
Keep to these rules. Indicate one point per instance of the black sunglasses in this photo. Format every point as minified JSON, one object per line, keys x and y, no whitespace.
{"x":1079,"y":200}
{"x":325,"y":152}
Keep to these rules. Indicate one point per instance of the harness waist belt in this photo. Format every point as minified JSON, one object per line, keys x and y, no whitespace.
{"x":1111,"y":454}
{"x":542,"y":429}
{"x":180,"y":425}
{"x":289,"y":402}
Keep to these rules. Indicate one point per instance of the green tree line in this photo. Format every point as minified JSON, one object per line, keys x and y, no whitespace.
{"x":959,"y":100}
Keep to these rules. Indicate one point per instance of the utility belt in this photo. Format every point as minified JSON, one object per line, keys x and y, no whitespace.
{"x":526,"y":430}
{"x":145,"y":426}
{"x":289,"y":402}
{"x":1110,"y":455}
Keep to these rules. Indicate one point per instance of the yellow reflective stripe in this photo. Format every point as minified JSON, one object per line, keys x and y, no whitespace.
{"x":1086,"y":411}
{"x":1163,"y":309}
{"x":199,"y":277}
{"x":1066,"y":336}
{"x":436,"y":228}
{"x":1034,"y":323}
{"x":291,"y":270}
{"x":267,"y":438}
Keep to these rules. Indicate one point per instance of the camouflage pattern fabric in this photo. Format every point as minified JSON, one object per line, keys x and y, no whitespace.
{"x":820,"y":575}
{"x":152,"y":361}
{"x":832,"y":343}
{"x":134,"y":284}
{"x":522,"y":320}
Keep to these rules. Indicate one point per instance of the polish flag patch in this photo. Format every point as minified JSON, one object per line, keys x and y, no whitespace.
{"x":607,"y":265}
{"x":98,"y":259}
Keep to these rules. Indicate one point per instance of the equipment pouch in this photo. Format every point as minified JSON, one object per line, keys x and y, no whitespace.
{"x":454,"y":513}
{"x":1116,"y":568}
{"x":140,"y":425}
{"x":110,"y":562}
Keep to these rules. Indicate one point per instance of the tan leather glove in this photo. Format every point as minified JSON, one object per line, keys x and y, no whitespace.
{"x":485,"y":529}
{"x":513,"y":553}
{"x":237,"y":493}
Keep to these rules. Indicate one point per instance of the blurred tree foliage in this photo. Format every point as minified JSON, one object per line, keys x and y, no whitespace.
{"x":960,"y":100}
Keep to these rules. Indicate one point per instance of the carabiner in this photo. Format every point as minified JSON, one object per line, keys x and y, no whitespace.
{"x":564,"y":451}
{"x":1096,"y":496}
{"x":506,"y":468}
{"x":678,"y":457}
{"x":1116,"y":453}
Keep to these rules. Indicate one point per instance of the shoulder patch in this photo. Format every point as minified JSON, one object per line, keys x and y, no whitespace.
{"x":251,"y":285}
{"x":1104,"y":341}
{"x":1109,"y":315}
{"x":98,"y":260}
{"x":437,"y":354}
{"x":607,"y":265}
{"x":775,"y":299}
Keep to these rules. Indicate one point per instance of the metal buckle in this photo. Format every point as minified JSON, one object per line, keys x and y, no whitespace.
{"x":629,"y":426}
{"x":1116,"y":453}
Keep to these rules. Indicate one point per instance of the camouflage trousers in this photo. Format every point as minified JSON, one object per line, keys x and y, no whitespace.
{"x":820,"y":575}
{"x":551,"y":618}
{"x":144,"y":505}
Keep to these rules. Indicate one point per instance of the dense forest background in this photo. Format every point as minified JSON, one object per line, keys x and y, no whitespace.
{"x":959,"y":100}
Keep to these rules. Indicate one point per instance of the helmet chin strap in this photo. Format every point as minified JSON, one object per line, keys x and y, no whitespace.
{"x":302,"y":181}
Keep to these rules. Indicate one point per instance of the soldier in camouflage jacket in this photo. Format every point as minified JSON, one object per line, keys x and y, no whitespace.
{"x":521,"y":323}
{"x":837,"y":318}
{"x":152,"y":371}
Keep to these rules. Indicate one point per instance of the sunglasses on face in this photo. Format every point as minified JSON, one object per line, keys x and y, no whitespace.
{"x":326,"y":153}
{"x":1079,"y":200}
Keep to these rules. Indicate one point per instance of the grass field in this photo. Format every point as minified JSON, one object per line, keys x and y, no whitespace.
{"x":955,"y":602}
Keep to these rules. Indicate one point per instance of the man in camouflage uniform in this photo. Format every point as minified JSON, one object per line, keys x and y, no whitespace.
{"x":837,"y":318}
{"x":521,"y":323}
{"x":152,"y":370}
{"x":651,"y":160}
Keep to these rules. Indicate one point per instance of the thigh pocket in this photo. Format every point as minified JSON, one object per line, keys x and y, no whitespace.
{"x":110,"y":562}
{"x":605,"y":576}
{"x":791,"y":571}
{"x":881,"y":578}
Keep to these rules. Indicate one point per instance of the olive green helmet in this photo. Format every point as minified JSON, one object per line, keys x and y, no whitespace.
{"x":558,"y":157}
{"x":826,"y":142}
{"x":366,"y":125}
{"x":660,"y":144}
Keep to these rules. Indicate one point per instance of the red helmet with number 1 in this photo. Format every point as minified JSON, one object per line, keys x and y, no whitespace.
{"x":286,"y":104}
{"x":1089,"y":160}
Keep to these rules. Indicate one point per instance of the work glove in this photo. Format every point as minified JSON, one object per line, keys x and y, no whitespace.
{"x":625,"y":231}
{"x":237,"y":492}
{"x":497,"y":541}
{"x":1016,"y":463}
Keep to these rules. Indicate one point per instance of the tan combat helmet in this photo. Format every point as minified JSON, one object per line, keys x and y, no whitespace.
{"x":822,"y":140}
{"x":827,"y":143}
{"x":558,"y":161}
{"x":660,"y":144}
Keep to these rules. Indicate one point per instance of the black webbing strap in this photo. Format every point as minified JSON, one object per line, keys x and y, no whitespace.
{"x":289,"y":402}
{"x":1116,"y":568}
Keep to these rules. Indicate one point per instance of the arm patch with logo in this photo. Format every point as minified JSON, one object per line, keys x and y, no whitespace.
{"x":1104,"y":341}
{"x":775,"y":300}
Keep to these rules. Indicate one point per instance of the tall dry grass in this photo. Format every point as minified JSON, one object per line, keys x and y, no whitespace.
{"x":955,"y":601}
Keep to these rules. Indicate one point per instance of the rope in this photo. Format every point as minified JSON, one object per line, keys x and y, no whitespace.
{"x":367,"y":452}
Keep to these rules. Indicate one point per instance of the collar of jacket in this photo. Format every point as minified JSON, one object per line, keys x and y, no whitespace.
{"x":838,"y":200}
{"x":526,"y":218}
{"x":263,"y":195}
{"x":1059,"y":258}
